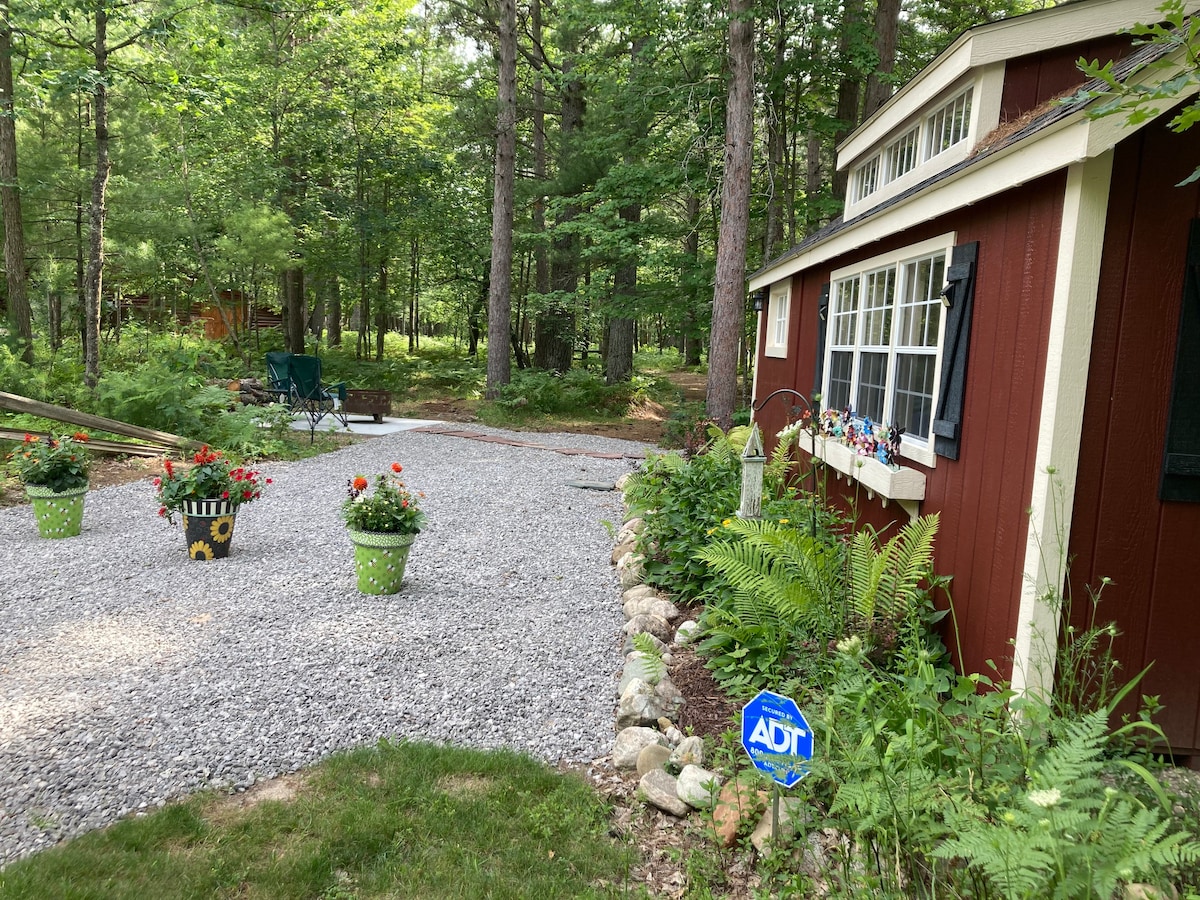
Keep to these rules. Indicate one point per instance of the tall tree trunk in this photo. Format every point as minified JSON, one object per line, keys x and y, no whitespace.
{"x":618,"y":360}
{"x":730,"y":290}
{"x":414,"y":287}
{"x":777,"y":136}
{"x":554,"y":330}
{"x":293,"y":309}
{"x":887,"y":23}
{"x":381,"y":308}
{"x":93,"y":295}
{"x":848,"y":87}
{"x":499,"y":367}
{"x":333,"y":311}
{"x":541,"y":255}
{"x":692,"y":343}
{"x":15,"y":269}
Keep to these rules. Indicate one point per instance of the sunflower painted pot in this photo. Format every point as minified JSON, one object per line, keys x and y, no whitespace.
{"x":59,"y":514}
{"x":379,"y":560}
{"x":208,"y":528}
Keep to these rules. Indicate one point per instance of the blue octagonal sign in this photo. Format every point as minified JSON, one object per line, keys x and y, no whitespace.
{"x":777,"y":737}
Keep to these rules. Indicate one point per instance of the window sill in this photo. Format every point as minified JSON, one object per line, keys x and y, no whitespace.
{"x":904,"y":485}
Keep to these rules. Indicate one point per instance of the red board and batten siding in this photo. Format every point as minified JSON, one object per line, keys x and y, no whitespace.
{"x":983,"y":497}
{"x":1032,"y":80}
{"x":1121,"y":530}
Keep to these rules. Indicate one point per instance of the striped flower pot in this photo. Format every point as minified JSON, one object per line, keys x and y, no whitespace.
{"x":379,"y":560}
{"x":59,"y":514}
{"x":208,"y":528}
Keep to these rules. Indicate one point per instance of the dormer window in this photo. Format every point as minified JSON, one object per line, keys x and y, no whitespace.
{"x":866,"y":179}
{"x":901,"y":155}
{"x":949,"y":125}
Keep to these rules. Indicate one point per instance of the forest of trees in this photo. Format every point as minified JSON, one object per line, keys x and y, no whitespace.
{"x":336,"y":161}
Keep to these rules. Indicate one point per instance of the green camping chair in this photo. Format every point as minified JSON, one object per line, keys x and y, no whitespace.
{"x":279,"y":383}
{"x":311,"y":397}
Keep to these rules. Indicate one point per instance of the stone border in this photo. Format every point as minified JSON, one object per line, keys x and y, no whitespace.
{"x":669,"y":764}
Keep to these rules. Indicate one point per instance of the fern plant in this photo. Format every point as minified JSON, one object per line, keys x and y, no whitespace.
{"x":1067,"y":835}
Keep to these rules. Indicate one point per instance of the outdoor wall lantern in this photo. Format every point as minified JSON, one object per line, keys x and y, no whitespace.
{"x":753,"y":461}
{"x":758,"y":300}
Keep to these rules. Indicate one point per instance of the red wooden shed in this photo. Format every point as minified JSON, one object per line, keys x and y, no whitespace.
{"x":1017,"y":285}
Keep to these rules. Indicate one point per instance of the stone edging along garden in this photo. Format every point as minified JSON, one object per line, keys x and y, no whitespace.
{"x":669,"y":765}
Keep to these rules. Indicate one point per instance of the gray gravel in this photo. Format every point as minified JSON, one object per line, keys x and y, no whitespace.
{"x":131,"y":675}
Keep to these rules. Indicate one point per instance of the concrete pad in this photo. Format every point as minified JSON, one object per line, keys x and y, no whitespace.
{"x":365,"y":426}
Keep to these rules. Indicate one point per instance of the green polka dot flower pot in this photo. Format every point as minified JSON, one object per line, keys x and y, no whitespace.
{"x":208,"y":528}
{"x":59,"y":514}
{"x":379,"y":560}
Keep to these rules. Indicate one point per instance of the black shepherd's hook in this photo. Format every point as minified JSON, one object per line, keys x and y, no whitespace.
{"x":812,"y":430}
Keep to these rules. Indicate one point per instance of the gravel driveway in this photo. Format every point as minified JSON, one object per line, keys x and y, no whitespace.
{"x":130,"y":675}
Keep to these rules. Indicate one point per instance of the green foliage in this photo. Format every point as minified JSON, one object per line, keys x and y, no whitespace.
{"x":1141,"y":96}
{"x":212,"y":476}
{"x":793,"y":592}
{"x":689,"y":501}
{"x":533,"y":392}
{"x":651,"y":655}
{"x":392,"y":509}
{"x":1068,"y":835}
{"x":58,"y":464}
{"x":395,"y":820}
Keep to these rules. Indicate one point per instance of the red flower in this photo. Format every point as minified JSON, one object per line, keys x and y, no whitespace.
{"x":360,"y":483}
{"x":157,"y":482}
{"x":162,"y":510}
{"x":30,"y":438}
{"x":80,"y":436}
{"x":268,"y":481}
{"x":225,"y":495}
{"x":396,"y":467}
{"x":170,"y":468}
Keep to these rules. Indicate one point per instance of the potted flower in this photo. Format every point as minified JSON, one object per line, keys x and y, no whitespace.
{"x":208,"y":495}
{"x":55,"y":474}
{"x":382,"y":526}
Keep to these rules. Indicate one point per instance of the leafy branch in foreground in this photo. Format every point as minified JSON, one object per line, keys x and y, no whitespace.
{"x":1169,"y":77}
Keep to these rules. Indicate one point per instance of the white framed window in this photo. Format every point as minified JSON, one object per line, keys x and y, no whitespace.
{"x":866,"y":179}
{"x":778,"y":310}
{"x":900,"y":157}
{"x":883,"y":352}
{"x":949,"y":125}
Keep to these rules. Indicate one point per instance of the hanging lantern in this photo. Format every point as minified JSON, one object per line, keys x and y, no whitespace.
{"x":753,"y":461}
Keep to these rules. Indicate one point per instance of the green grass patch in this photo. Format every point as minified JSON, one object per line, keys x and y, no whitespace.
{"x":394,"y":820}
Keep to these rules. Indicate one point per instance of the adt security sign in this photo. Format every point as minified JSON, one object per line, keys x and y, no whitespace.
{"x":777,"y":737}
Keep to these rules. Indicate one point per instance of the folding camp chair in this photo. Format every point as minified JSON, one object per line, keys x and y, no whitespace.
{"x":279,"y":383}
{"x":311,"y":397}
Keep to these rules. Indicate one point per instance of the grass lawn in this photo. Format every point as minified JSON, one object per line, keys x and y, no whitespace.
{"x":394,"y":820}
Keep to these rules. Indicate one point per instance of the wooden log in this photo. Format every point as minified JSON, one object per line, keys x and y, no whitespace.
{"x":17,"y":403}
{"x":99,"y":445}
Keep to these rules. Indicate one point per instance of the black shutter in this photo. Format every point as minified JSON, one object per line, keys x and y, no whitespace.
{"x":1181,"y":454}
{"x":960,"y":294}
{"x":822,"y":324}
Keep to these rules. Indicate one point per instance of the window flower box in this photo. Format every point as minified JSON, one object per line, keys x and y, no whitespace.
{"x":904,"y":485}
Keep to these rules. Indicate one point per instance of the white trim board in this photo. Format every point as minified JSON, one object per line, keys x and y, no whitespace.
{"x":1056,"y":460}
{"x":996,"y":42}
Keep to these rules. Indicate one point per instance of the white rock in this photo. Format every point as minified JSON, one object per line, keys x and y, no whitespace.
{"x":640,"y":665}
{"x":689,"y":752}
{"x":632,"y":741}
{"x":698,"y":787}
{"x":655,"y":625}
{"x":659,"y":789}
{"x":687,"y":632}
{"x":638,"y":592}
